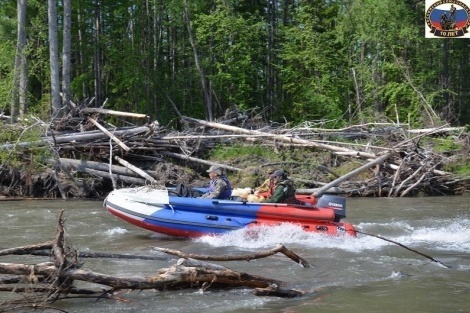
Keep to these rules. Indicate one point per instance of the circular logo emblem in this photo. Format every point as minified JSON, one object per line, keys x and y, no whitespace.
{"x":448,"y":18}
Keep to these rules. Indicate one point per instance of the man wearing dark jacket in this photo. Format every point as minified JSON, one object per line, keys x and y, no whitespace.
{"x":283,"y":190}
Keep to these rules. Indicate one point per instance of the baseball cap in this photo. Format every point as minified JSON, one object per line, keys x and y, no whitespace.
{"x":216,"y":169}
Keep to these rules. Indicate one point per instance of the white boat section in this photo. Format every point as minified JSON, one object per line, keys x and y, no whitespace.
{"x":142,"y":200}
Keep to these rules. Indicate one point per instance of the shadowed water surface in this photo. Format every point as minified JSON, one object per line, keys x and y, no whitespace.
{"x":362,"y":274}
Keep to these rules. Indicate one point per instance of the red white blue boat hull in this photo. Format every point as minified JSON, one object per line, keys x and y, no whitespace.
{"x":158,"y":211}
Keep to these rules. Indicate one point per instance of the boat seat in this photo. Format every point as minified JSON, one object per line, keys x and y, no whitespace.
{"x":172,"y":192}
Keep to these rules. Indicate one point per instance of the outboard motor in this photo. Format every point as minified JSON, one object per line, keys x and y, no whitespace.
{"x":336,"y":203}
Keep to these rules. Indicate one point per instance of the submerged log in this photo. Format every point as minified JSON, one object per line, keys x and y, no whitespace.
{"x":278,"y":249}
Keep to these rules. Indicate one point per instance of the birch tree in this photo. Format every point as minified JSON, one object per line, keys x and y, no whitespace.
{"x":97,"y":52}
{"x":54,"y":60}
{"x":21,"y":69}
{"x":66,"y":50}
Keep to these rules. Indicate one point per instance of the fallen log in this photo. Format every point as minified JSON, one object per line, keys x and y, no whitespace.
{"x":405,"y":192}
{"x":109,"y":134}
{"x":26,"y":249}
{"x":123,"y":178}
{"x":113,"y":112}
{"x":100,"y":166}
{"x":76,"y":137}
{"x":55,"y":280}
{"x":284,"y":138}
{"x":357,"y":171}
{"x":185,"y":157}
{"x":175,"y":277}
{"x":278,"y":249}
{"x":86,"y":255}
{"x":135,"y":169}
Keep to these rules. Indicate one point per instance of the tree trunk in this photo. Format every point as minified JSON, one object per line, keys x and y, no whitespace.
{"x":335,"y":149}
{"x":357,"y":171}
{"x":205,"y":89}
{"x":20,"y":72}
{"x":66,"y":63}
{"x":97,"y":54}
{"x":54,"y":60}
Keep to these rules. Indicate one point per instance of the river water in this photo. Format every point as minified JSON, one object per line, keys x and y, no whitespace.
{"x":362,"y":274}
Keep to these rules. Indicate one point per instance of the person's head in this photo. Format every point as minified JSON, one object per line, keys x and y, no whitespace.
{"x":214,"y":171}
{"x":277,"y":175}
{"x":270,"y":171}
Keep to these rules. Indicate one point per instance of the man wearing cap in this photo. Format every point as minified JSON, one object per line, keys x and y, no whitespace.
{"x":283,"y":190}
{"x":219,"y":187}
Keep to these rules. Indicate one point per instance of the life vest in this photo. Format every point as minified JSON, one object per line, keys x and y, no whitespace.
{"x":228,"y":190}
{"x":289,"y":192}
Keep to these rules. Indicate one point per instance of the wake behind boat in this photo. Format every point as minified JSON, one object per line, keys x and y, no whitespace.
{"x":164,"y":211}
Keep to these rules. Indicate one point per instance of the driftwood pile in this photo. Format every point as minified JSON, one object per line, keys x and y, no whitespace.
{"x":89,"y":156}
{"x":38,"y":285}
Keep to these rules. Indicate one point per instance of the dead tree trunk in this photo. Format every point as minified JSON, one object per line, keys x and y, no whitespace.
{"x":359,"y":170}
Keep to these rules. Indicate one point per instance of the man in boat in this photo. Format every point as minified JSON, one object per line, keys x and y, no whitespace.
{"x":283,"y":190}
{"x":219,"y":186}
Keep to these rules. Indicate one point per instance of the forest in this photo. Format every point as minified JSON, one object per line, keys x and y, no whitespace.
{"x":284,"y":74}
{"x":332,"y":62}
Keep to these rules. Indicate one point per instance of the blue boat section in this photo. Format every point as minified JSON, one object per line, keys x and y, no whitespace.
{"x":185,"y":217}
{"x":207,"y":216}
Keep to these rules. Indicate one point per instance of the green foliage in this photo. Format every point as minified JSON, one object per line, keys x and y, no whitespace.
{"x":31,"y":157}
{"x":222,"y":152}
{"x":7,"y":20}
{"x":42,"y":108}
{"x":381,"y":38}
{"x":6,"y":74}
{"x":447,"y":144}
{"x":309,"y":60}
{"x":7,"y":51}
{"x":459,"y":167}
{"x":347,"y":167}
{"x":229,"y":45}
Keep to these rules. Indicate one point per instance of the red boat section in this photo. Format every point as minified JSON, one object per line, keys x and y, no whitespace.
{"x":292,"y":213}
{"x":325,"y":227}
{"x":307,"y":199}
{"x":315,"y":220}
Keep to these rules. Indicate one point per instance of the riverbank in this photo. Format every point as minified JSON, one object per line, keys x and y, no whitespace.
{"x":89,"y":157}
